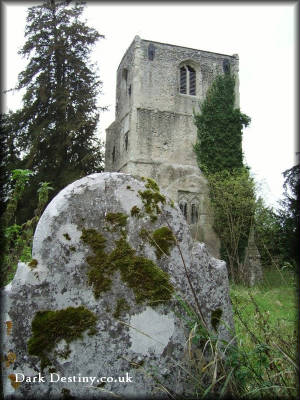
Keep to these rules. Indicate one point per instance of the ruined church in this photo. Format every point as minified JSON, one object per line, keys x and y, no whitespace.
{"x":159,"y":87}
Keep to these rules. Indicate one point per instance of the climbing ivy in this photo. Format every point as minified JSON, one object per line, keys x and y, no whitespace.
{"x":219,"y":128}
{"x":220,"y":157}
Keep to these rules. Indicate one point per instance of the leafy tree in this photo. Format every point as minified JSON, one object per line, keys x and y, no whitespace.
{"x":268,"y":236}
{"x":289,"y":214}
{"x":53,"y":134}
{"x":219,"y":128}
{"x":233,"y":203}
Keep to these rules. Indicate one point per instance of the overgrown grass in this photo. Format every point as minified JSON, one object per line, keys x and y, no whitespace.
{"x":266,"y":330}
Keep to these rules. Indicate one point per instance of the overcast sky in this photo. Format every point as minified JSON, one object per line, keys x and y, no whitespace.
{"x":263,"y":35}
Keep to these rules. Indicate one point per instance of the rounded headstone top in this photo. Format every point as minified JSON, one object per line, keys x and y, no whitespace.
{"x":108,"y":267}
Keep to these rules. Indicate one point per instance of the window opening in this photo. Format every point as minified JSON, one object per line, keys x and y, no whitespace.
{"x":194,"y":213}
{"x":114,"y":154}
{"x":126,"y":141}
{"x":183,"y":208}
{"x":183,"y":80}
{"x":125,"y":74}
{"x":187,"y":80}
{"x":124,"y":79}
{"x":192,"y":80}
{"x":226,"y":66}
{"x":151,"y":52}
{"x":129,"y":90}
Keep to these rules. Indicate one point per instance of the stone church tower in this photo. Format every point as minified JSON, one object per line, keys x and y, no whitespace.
{"x":159,"y":86}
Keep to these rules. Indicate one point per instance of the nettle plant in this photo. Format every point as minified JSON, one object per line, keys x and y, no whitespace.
{"x":18,"y":238}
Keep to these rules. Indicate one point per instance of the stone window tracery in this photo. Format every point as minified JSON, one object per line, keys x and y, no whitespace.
{"x":187,"y":80}
{"x":189,"y":204}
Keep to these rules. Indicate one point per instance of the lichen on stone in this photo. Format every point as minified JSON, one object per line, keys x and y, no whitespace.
{"x":13,"y":381}
{"x":149,"y":283}
{"x":151,"y":197}
{"x":151,"y":184}
{"x":33,"y":263}
{"x":50,"y":327}
{"x":121,"y":307}
{"x":163,"y":240}
{"x":67,"y":236}
{"x":100,"y":269}
{"x":145,"y":234}
{"x":135,"y":211}
{"x":10,"y":359}
{"x":117,"y":219}
{"x":9,"y":326}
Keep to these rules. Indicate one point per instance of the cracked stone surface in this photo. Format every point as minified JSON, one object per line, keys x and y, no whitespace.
{"x":146,"y":341}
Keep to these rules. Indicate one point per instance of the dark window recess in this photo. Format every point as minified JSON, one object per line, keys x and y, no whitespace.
{"x":183,"y":208}
{"x":192,"y":80}
{"x":226,"y":66}
{"x":129,"y":90}
{"x":194,"y":213}
{"x":125,"y":74}
{"x":114,"y":154}
{"x":183,"y":80}
{"x":126,"y":140}
{"x":151,"y":52}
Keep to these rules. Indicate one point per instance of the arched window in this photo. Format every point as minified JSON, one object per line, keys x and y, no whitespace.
{"x":187,"y":80}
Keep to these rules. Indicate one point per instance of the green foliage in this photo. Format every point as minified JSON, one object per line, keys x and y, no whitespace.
{"x":277,"y":232}
{"x":50,"y":327}
{"x":18,"y":238}
{"x":268,"y":236}
{"x":262,"y":360}
{"x":219,"y":128}
{"x":265,"y":361}
{"x":216,"y":318}
{"x":53,"y":133}
{"x":233,"y":203}
{"x":220,"y":157}
{"x":288,"y":215}
{"x":20,"y":178}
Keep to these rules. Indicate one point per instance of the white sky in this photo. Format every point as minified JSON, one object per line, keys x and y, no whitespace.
{"x":264,"y":36}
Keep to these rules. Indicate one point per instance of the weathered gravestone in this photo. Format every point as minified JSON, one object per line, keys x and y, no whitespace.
{"x":102,"y":295}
